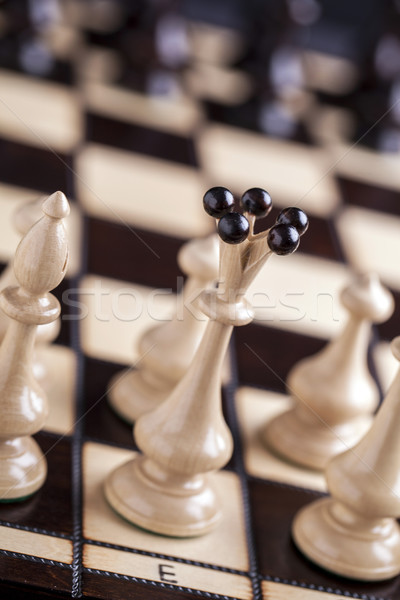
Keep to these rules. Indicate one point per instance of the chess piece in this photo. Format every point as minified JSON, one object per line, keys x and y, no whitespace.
{"x":168,"y":349}
{"x":24,"y":217}
{"x":354,"y":533}
{"x":40,"y":263}
{"x":170,"y":489}
{"x":334,"y":392}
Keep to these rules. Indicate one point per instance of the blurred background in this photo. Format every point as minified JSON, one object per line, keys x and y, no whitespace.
{"x":114,"y":101}
{"x":134,"y":108}
{"x":304,"y":70}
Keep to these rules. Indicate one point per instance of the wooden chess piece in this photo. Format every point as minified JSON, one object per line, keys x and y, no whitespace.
{"x":24,"y":217}
{"x":168,"y":349}
{"x":40,"y":264}
{"x":354,"y":533}
{"x":334,"y":392}
{"x":170,"y":489}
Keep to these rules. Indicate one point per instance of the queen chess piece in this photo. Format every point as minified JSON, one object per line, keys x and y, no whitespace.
{"x":171,"y":489}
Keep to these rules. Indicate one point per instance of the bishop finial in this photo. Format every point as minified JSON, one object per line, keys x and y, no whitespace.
{"x":56,"y":206}
{"x":42,"y":256}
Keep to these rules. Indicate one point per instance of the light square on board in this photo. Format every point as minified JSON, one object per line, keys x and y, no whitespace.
{"x":10,"y":198}
{"x":166,"y":571}
{"x":300,"y":293}
{"x":256,"y":408}
{"x":36,"y":544}
{"x":371,"y":242}
{"x":280,"y":591}
{"x":142,"y":191}
{"x":366,"y":165}
{"x":179,"y":115}
{"x":101,"y":65}
{"x":328,"y":73}
{"x":39,"y":113}
{"x":214,"y":44}
{"x":115,"y":314}
{"x":217,"y":83}
{"x":225,"y":546}
{"x":294,"y":174}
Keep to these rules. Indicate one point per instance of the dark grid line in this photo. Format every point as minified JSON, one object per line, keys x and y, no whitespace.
{"x":240,"y":470}
{"x":35,"y":559}
{"x":177,"y":559}
{"x":287,"y":486}
{"x":76,"y":475}
{"x":40,"y":530}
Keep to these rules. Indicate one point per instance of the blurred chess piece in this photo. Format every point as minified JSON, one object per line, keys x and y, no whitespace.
{"x":40,"y":263}
{"x":355,"y":533}
{"x":334,"y":392}
{"x":171,"y":488}
{"x":167,"y":350}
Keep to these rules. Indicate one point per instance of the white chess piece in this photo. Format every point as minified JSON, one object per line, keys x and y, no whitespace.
{"x":355,"y":533}
{"x":334,"y":392}
{"x":24,"y":217}
{"x":40,"y":264}
{"x":167,"y":350}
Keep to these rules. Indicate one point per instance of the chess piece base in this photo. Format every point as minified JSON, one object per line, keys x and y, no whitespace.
{"x":23,"y":469}
{"x":338,"y":540}
{"x":309,"y":443}
{"x":131,"y":396}
{"x":153,"y":500}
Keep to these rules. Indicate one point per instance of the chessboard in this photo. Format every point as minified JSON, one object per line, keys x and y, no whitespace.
{"x":134,"y":166}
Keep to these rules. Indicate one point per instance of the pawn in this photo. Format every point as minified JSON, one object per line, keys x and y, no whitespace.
{"x":334,"y":392}
{"x":354,"y":532}
{"x":40,"y":264}
{"x":168,"y":349}
{"x":24,"y":217}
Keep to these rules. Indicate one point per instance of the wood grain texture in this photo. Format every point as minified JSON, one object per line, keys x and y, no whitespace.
{"x":40,"y":264}
{"x":334,"y":393}
{"x":121,"y":67}
{"x":165,"y":351}
{"x":363,"y":483}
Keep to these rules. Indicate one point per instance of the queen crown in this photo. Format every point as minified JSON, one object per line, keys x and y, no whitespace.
{"x":243,"y":252}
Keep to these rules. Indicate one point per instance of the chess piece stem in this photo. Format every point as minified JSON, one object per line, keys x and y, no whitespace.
{"x":40,"y":263}
{"x":334,"y":392}
{"x":354,"y":533}
{"x":168,"y":349}
{"x":173,"y":477}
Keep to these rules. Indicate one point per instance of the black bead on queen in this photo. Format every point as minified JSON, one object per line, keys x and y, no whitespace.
{"x":233,"y":227}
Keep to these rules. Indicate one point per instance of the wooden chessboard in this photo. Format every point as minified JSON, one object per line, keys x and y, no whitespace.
{"x":135,"y":169}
